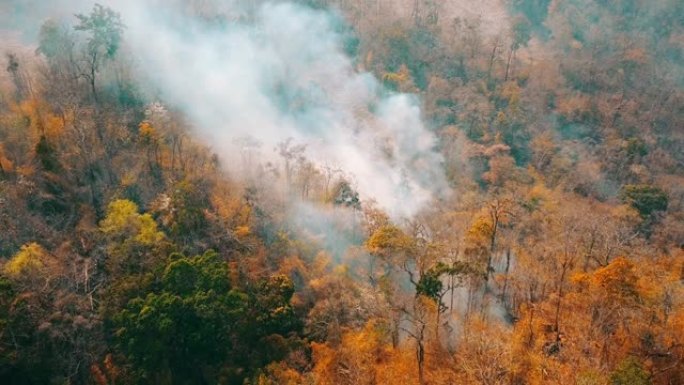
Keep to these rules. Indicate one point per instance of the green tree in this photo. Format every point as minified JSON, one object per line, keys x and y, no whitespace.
{"x":105,"y":28}
{"x":185,"y":218}
{"x":134,"y":249}
{"x":47,"y":155}
{"x":181,"y":333}
{"x":199,"y":328}
{"x":646,"y":199}
{"x":430,"y":283}
{"x":54,"y":40}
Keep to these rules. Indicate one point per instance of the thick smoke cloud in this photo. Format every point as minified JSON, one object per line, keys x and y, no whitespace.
{"x":283,"y":72}
{"x":278,"y":70}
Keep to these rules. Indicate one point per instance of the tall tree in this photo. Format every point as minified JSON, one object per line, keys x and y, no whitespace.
{"x":104,"y":28}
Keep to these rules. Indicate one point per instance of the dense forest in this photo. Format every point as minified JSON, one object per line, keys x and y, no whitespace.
{"x":342,"y":192}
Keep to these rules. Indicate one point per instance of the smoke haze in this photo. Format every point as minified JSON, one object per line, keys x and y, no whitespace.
{"x":280,"y":73}
{"x":275,"y":71}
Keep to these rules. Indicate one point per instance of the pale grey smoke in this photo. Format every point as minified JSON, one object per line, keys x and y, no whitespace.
{"x":275,"y":70}
{"x":284,"y":74}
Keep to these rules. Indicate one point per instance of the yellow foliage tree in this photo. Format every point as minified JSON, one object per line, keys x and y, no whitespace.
{"x":124,"y":221}
{"x":355,"y":361}
{"x":133,"y":238}
{"x":28,"y":260}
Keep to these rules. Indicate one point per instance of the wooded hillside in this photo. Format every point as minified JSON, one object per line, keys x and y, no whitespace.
{"x":482,"y":192}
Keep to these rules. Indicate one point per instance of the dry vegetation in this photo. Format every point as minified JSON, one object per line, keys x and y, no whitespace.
{"x":129,"y":254}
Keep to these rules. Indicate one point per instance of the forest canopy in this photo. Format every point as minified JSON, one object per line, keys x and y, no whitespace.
{"x":342,"y":192}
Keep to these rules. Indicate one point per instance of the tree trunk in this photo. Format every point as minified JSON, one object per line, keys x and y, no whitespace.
{"x":492,"y":245}
{"x":508,"y":266}
{"x":564,"y":269}
{"x":508,"y":63}
{"x":93,"y":71}
{"x":439,"y":314}
{"x":491,"y":60}
{"x":451,"y":301}
{"x":420,"y":353}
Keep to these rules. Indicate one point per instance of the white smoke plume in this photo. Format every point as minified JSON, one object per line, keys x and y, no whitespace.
{"x":277,"y":70}
{"x":282,"y":72}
